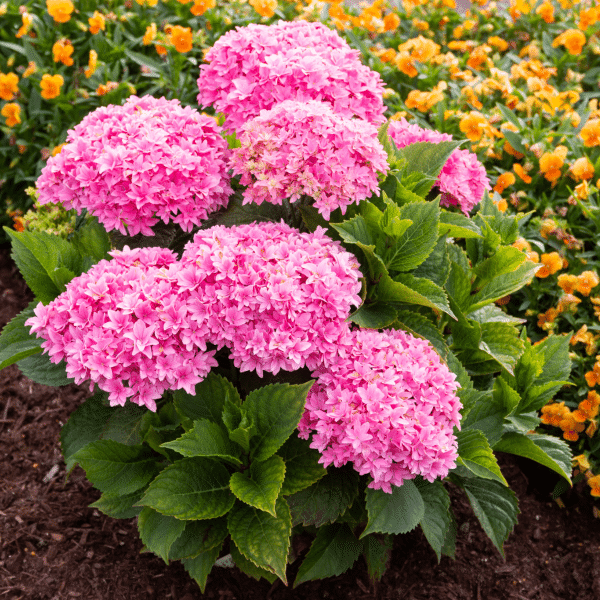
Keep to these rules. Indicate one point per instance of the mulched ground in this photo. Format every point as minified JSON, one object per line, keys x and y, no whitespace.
{"x":52,"y":546}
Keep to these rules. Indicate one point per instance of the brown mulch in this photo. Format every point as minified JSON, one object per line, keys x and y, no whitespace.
{"x":53,"y":546}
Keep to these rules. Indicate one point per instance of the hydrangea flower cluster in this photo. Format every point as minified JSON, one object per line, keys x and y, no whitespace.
{"x":254,"y":67}
{"x":387,"y":404}
{"x":463,"y":179}
{"x":124,"y":322}
{"x":277,"y":298}
{"x":133,"y":165}
{"x":301,"y":148}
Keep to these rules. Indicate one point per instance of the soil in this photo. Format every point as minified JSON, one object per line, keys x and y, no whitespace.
{"x":53,"y":546}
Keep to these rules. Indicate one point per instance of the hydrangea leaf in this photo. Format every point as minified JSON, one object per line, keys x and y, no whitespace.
{"x":377,"y":553}
{"x":117,"y":468}
{"x":474,"y":452}
{"x":333,"y":551}
{"x":248,"y":567}
{"x":502,"y":342}
{"x":200,"y":566}
{"x":198,"y":537}
{"x":262,"y":538}
{"x":376,"y":315}
{"x":495,"y":506}
{"x":302,"y":466}
{"x":275,"y":411}
{"x":325,"y":500}
{"x":158,"y":532}
{"x":457,"y":226}
{"x":421,"y":326}
{"x":38,"y":368}
{"x":436,"y":267}
{"x":436,"y":520}
{"x":191,"y":488}
{"x":119,"y":506}
{"x":92,"y":241}
{"x":506,"y":260}
{"x":544,"y":449}
{"x":206,"y":439}
{"x":239,"y":424}
{"x":261,"y":487}
{"x":16,"y":342}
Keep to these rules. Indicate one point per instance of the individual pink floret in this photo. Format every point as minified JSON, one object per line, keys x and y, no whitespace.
{"x":134,"y":165}
{"x":124,"y":326}
{"x":305,"y":148}
{"x":463,"y":179}
{"x":255,"y":67}
{"x":277,"y":298}
{"x":387,"y":404}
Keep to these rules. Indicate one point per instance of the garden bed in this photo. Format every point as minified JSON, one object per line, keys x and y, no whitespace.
{"x":52,"y":545}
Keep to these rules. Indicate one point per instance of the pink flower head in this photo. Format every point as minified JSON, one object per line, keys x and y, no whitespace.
{"x":463,"y":179}
{"x":305,"y":148}
{"x":388,"y":405}
{"x":277,"y":298}
{"x":121,"y":325}
{"x":255,"y":67}
{"x":133,"y":165}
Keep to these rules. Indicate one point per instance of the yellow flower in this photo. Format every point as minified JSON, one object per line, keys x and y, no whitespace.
{"x":504,"y":180}
{"x":572,"y":39}
{"x":60,"y":10}
{"x":150,"y":34}
{"x":8,"y":86}
{"x":96,"y":22}
{"x":201,"y":6}
{"x":265,"y":8}
{"x":11,"y":112}
{"x":51,"y":85}
{"x":590,"y":133}
{"x":581,"y":461}
{"x":62,"y":51}
{"x":92,"y":62}
{"x":546,"y":11}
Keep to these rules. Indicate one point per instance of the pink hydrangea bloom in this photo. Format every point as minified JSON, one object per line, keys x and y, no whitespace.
{"x":386,"y":404}
{"x":123,"y":326}
{"x":133,"y":165}
{"x":254,"y":67}
{"x":277,"y":298}
{"x":305,"y":148}
{"x":463,"y":179}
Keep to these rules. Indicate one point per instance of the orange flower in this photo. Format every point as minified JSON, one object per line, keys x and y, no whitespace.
{"x":587,"y":18}
{"x":498,"y":42}
{"x":391,"y":22}
{"x":582,"y":168}
{"x":551,"y":264}
{"x":181,"y":38}
{"x":8,"y":86}
{"x":504,"y":180}
{"x":30,"y":70}
{"x":568,"y":303}
{"x":594,"y":483}
{"x":553,"y":414}
{"x":27,"y":20}
{"x":406,"y":64}
{"x":425,"y":101}
{"x":478,"y":57}
{"x":420,"y":48}
{"x":265,"y":8}
{"x":586,"y":281}
{"x":60,"y":10}
{"x":522,"y":244}
{"x":103,"y":89}
{"x":590,"y":133}
{"x":51,"y":85}
{"x":150,"y":34}
{"x":201,"y":6}
{"x":96,"y":22}
{"x":567,"y":283}
{"x":572,"y":39}
{"x":92,"y":61}
{"x":11,"y":112}
{"x":473,"y":125}
{"x":552,"y":162}
{"x":545,"y":319}
{"x":62,"y":51}
{"x":546,"y":11}
{"x":387,"y":55}
{"x":521,"y":172}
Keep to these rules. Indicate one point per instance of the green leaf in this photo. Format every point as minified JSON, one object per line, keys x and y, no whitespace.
{"x":16,"y":342}
{"x":325,"y":500}
{"x":506,"y":260}
{"x":206,"y":439}
{"x":376,"y":315}
{"x":334,"y":551}
{"x":398,"y":512}
{"x":509,"y":115}
{"x":436,"y":267}
{"x":391,"y":222}
{"x":198,"y":537}
{"x":239,"y":424}
{"x":145,"y":61}
{"x":474,"y":452}
{"x":191,"y":488}
{"x":276,"y":411}
{"x":418,"y":324}
{"x":458,"y":286}
{"x":427,"y":158}
{"x":262,"y":538}
{"x":515,"y":140}
{"x":436,"y":520}
{"x":505,"y":395}
{"x":157,"y":532}
{"x":493,"y":314}
{"x":487,"y":416}
{"x":38,"y":368}
{"x":557,"y":363}
{"x":502,"y":342}
{"x":495,"y":507}
{"x":261,"y":487}
{"x":411,"y":248}
{"x":248,"y":567}
{"x":92,"y":241}
{"x":209,"y":399}
{"x":544,"y":449}
{"x":116,"y":468}
{"x":407,"y":289}
{"x":200,"y":566}
{"x":302,"y":467}
{"x":119,"y":506}
{"x":378,"y":554}
{"x":457,"y":226}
